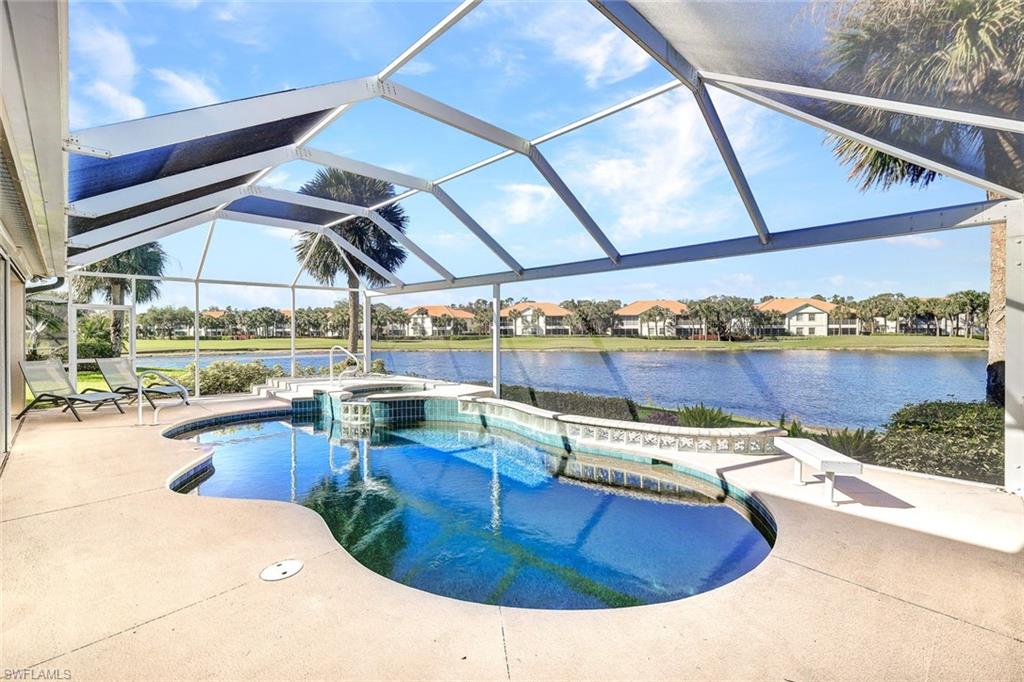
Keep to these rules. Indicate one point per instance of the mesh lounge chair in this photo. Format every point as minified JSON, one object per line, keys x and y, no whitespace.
{"x":49,"y":383}
{"x":118,"y":374}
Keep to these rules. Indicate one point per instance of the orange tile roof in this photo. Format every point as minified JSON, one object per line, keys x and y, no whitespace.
{"x":213,"y":314}
{"x":788,"y":305}
{"x":549,"y":309}
{"x":440,"y":310}
{"x":640,"y":307}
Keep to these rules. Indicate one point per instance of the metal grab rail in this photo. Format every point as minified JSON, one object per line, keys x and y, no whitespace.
{"x":330,"y":358}
{"x":139,"y":396}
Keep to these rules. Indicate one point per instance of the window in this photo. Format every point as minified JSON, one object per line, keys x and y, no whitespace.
{"x":811,"y":331}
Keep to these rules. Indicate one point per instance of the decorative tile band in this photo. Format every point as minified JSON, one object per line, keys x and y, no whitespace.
{"x":612,"y":442}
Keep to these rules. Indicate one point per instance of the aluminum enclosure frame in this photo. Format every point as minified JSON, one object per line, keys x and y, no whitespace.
{"x":336,"y":98}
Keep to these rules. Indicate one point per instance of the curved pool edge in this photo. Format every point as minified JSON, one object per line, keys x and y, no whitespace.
{"x":751,"y":506}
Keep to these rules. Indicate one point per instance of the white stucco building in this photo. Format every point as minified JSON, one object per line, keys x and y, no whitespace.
{"x":630,"y":320}
{"x":534,"y":318}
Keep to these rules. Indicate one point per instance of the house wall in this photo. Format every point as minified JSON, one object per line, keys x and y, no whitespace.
{"x":807,"y":321}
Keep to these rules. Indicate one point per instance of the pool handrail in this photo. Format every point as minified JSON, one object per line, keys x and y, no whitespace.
{"x":330,"y":358}
{"x":156,"y":410}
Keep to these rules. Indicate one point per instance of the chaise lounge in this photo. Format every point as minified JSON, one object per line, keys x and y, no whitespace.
{"x":49,"y":383}
{"x":118,"y":374}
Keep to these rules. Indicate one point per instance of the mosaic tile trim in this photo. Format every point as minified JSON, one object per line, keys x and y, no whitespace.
{"x":584,"y":439}
{"x":187,"y":479}
{"x":190,"y":427}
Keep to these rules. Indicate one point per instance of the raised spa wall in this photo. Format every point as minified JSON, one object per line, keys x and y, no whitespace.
{"x":607,"y":438}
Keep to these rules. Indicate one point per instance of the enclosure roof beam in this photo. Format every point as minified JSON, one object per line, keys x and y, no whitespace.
{"x":937,"y":113}
{"x":120,"y":199}
{"x":568,"y":128}
{"x":474,"y":227}
{"x":301,"y":226}
{"x":950,"y":217}
{"x":130,"y":242}
{"x":332,"y":160}
{"x":451,"y":116}
{"x":830,"y":127}
{"x":634,"y":25}
{"x":371,"y":171}
{"x":148,"y":221}
{"x":340,"y":206}
{"x":140,"y":134}
{"x":427,"y":38}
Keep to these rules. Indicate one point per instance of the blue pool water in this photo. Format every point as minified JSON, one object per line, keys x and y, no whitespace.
{"x":486,"y":516}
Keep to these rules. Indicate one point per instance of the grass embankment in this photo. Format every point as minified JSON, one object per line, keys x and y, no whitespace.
{"x":585,"y":343}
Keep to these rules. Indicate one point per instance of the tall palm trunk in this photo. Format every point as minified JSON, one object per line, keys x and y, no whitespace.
{"x":353,"y":313}
{"x":116,"y":321}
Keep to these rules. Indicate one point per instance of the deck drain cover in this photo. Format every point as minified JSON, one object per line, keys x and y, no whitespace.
{"x":281,"y":570}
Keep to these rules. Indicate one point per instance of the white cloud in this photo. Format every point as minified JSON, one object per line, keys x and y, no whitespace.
{"x":280,"y":179}
{"x":123,"y":105}
{"x":417,"y":67}
{"x":183,"y":89}
{"x":526,"y":203}
{"x":920,"y":241}
{"x":656,"y":166}
{"x":105,"y":74}
{"x":574,"y":32}
{"x":186,"y":5}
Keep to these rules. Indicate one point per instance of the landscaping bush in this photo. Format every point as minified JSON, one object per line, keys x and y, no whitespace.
{"x":662,"y":417}
{"x":604,"y":407}
{"x":859,"y":444}
{"x":701,"y":417}
{"x":960,"y":440}
{"x":229,"y":376}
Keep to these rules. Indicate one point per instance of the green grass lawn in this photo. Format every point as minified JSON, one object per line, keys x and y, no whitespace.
{"x":585,"y":343}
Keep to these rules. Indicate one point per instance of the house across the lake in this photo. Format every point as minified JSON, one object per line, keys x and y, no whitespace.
{"x":808,"y":317}
{"x":642,"y":318}
{"x":534,"y":318}
{"x":436,"y":320}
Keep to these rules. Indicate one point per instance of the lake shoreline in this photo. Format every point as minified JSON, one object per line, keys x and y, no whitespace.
{"x":374,"y":349}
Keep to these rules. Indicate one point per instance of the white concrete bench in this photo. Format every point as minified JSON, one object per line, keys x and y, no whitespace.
{"x":814,"y":454}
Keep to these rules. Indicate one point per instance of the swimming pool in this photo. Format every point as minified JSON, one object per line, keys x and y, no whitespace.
{"x":489,"y":516}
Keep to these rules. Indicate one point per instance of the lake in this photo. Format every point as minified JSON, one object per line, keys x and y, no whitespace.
{"x":827,"y":388}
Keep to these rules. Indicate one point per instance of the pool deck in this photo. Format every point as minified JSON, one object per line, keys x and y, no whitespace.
{"x":107,"y":574}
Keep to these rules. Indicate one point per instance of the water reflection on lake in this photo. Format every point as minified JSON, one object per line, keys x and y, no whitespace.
{"x":838,"y":388}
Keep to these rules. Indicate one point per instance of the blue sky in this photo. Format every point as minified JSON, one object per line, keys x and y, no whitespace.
{"x":651,"y":176}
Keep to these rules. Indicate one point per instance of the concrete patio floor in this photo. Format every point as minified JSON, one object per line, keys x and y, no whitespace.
{"x":108,"y":574}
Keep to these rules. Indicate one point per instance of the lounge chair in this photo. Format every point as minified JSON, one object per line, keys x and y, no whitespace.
{"x":49,"y":383}
{"x":118,"y":374}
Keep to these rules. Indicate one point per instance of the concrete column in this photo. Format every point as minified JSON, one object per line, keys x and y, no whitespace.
{"x":132,"y":340}
{"x":72,"y":333}
{"x":366,"y":332}
{"x":293,"y":367}
{"x":1014,"y":391}
{"x":496,"y":341}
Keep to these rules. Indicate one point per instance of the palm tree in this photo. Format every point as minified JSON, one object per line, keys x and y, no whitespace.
{"x":325,"y":261}
{"x":947,"y":51}
{"x":148,"y":259}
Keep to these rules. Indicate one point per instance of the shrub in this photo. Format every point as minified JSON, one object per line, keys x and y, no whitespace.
{"x":229,"y":376}
{"x":604,"y":407}
{"x":700,"y":416}
{"x":378,"y":367}
{"x":961,"y":440}
{"x":662,"y":417}
{"x":859,"y":444}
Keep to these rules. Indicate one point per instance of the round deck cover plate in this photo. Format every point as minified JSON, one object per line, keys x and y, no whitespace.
{"x":281,"y":570}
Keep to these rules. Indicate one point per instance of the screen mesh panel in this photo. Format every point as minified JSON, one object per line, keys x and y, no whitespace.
{"x":911,"y":52}
{"x":78,"y":225}
{"x":278,"y":209}
{"x":89,"y":176}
